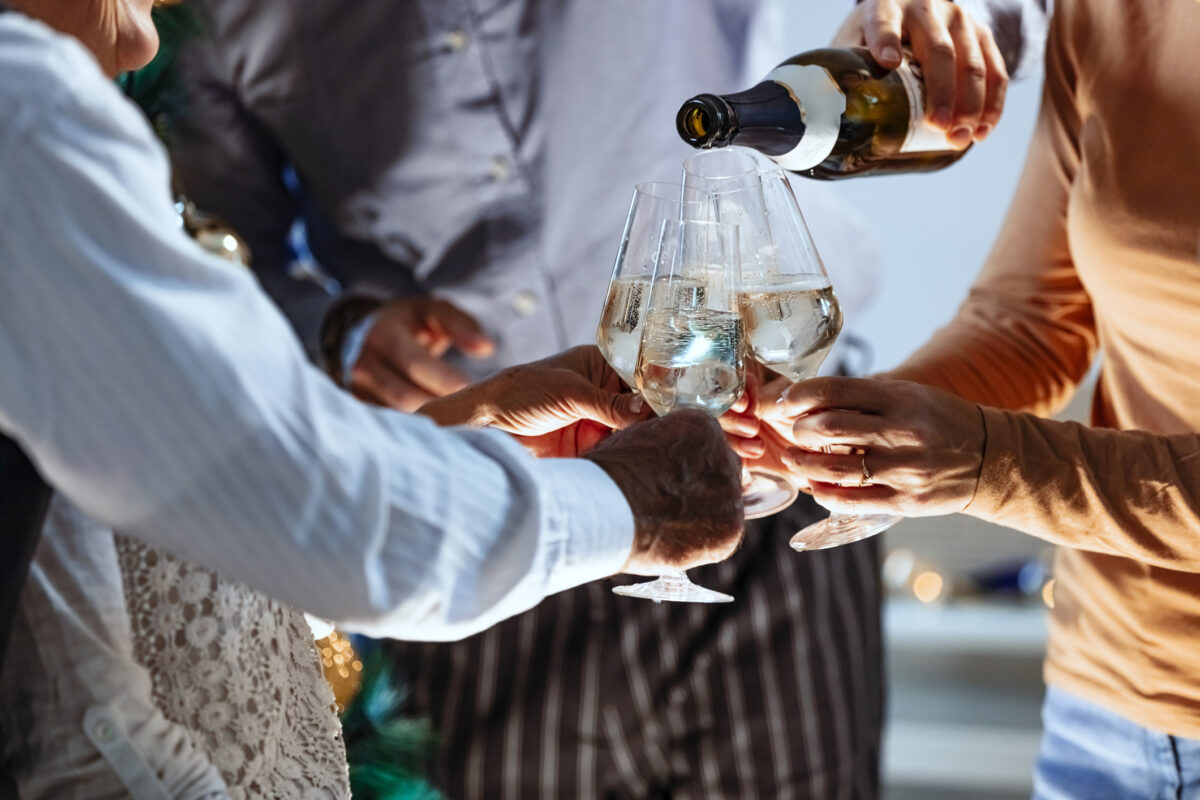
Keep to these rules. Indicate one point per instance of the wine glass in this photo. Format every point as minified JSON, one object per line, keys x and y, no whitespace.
{"x":790,"y":311}
{"x":792,"y":328}
{"x":776,"y":254}
{"x":692,"y":353}
{"x":619,"y":334}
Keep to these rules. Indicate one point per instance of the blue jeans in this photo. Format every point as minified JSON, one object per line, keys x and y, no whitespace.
{"x":1090,"y":753}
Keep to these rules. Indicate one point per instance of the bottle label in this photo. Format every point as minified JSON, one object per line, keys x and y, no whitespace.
{"x":822,"y":104}
{"x":922,"y":137}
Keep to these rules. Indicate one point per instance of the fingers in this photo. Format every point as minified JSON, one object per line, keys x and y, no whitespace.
{"x":448,"y":322}
{"x":746,"y":448}
{"x":856,"y":394}
{"x":933,"y":48}
{"x":855,"y":500}
{"x":891,"y":468}
{"x":997,"y":84}
{"x":744,"y":425}
{"x":587,"y":402}
{"x":881,"y":31}
{"x":971,"y":82}
{"x":430,"y":374}
{"x":823,"y":429}
{"x":373,"y":381}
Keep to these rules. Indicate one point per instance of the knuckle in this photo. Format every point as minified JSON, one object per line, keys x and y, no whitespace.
{"x":830,"y":393}
{"x":941,"y":49}
{"x":975,"y":69}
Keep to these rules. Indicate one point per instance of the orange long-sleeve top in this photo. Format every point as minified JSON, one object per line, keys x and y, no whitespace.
{"x":1101,"y":248}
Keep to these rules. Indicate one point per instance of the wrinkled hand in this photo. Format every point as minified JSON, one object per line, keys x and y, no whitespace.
{"x":558,"y":407}
{"x":684,"y":486}
{"x":965,"y":76}
{"x":923,"y":446}
{"x":401,"y":360}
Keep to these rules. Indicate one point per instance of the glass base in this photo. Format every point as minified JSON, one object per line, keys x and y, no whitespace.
{"x":766,"y":493}
{"x":840,"y":529}
{"x":674,"y":588}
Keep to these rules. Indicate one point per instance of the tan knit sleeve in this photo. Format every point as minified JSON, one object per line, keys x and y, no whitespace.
{"x":1126,"y":493}
{"x":1025,"y":335}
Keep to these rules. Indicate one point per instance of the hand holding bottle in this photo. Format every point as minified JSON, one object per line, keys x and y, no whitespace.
{"x":965,"y":76}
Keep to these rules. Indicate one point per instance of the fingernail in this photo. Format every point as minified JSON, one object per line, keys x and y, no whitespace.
{"x":960,"y":136}
{"x":890,"y":54}
{"x":942,"y":118}
{"x":982,"y":131}
{"x":637,"y":404}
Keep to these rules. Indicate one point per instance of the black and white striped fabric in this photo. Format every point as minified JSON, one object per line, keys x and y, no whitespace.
{"x":776,"y":695}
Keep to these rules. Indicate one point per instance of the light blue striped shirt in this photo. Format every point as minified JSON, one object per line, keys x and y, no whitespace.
{"x":161,"y":391}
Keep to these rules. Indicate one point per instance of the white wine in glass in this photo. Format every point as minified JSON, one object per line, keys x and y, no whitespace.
{"x":692,"y":353}
{"x":692,"y":359}
{"x":792,"y":322}
{"x":619,"y":334}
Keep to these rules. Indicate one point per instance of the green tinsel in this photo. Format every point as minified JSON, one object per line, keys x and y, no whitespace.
{"x":386,"y":751}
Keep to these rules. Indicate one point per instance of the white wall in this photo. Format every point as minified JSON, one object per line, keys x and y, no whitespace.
{"x":933,"y":231}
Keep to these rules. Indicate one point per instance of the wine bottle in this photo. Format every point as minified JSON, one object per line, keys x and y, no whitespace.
{"x":828,"y":114}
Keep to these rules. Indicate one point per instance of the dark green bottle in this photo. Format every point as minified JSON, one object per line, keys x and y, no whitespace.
{"x":830,"y":113}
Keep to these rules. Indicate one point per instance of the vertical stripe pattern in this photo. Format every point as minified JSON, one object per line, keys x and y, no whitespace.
{"x":778,"y":694}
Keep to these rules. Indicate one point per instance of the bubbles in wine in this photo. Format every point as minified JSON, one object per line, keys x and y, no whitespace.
{"x":620,"y":333}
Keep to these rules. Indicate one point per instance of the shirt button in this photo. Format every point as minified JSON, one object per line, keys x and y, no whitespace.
{"x":457,"y":40}
{"x":104,"y":732}
{"x":499,"y":168}
{"x":525,"y":303}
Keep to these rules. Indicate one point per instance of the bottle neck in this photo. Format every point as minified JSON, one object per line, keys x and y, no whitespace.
{"x":765,"y":117}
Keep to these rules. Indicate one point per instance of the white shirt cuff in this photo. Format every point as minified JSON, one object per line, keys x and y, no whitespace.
{"x":593,"y":516}
{"x":352,"y":347}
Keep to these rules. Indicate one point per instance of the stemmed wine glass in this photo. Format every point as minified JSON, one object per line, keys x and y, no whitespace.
{"x":791,"y":330}
{"x":732,"y":177}
{"x":790,"y":311}
{"x":691,"y":353}
{"x":619,"y":334}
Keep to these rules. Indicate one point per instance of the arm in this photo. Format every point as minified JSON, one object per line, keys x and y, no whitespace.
{"x":1025,"y":336}
{"x":1022,"y":341}
{"x":162,"y":392}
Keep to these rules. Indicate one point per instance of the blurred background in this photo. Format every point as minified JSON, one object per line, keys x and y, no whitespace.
{"x":965,"y":615}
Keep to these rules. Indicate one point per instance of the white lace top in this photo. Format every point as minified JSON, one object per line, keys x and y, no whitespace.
{"x":240,"y":673}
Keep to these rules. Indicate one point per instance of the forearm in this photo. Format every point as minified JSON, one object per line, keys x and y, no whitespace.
{"x":1026,"y":334}
{"x":161,"y":391}
{"x":1004,"y":355}
{"x":1126,"y":493}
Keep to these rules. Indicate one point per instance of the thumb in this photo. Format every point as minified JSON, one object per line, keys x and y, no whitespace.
{"x":461,"y":328}
{"x":612,"y":409}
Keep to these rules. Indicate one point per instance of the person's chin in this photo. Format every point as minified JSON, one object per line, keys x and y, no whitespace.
{"x":138,"y":50}
{"x":138,"y":38}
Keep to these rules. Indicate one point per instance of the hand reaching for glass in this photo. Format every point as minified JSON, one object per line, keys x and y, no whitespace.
{"x":920,"y":449}
{"x":559,"y":407}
